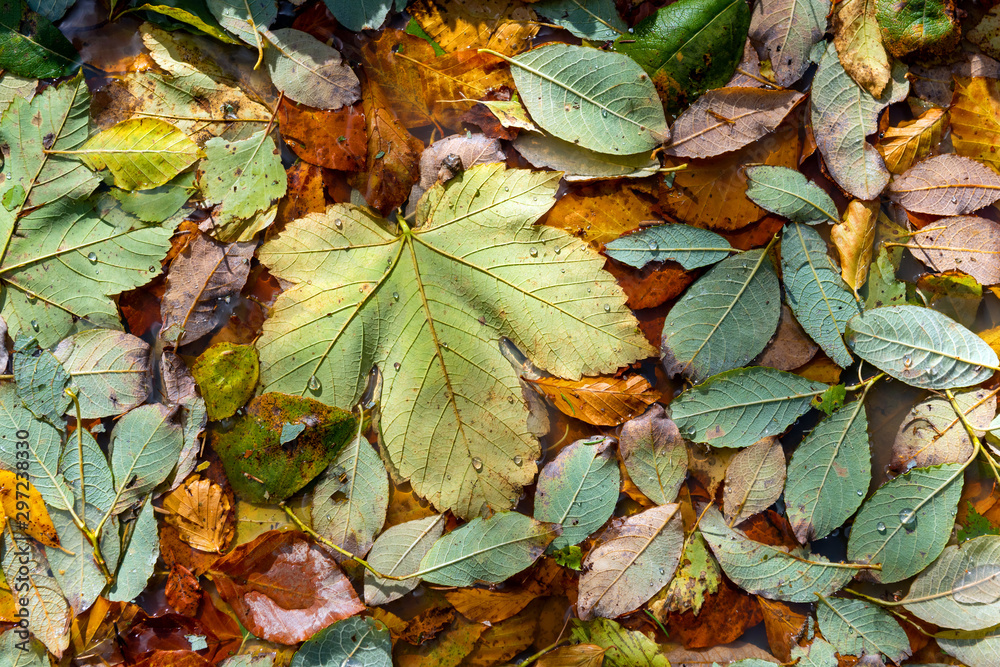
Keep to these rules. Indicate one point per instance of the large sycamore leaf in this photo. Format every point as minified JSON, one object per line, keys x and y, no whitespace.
{"x":961,"y":589}
{"x":847,"y":114}
{"x":855,"y":627}
{"x":785,"y":31}
{"x":921,"y":347}
{"x":632,"y":560}
{"x":724,"y":320}
{"x":965,"y":243}
{"x":906,"y":524}
{"x":737,"y":408}
{"x":829,"y":473}
{"x":428,"y":307}
{"x":773,"y":572}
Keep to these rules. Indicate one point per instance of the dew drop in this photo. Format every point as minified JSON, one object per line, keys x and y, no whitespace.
{"x":533,"y":252}
{"x":396,"y":365}
{"x":518,"y":460}
{"x":654,"y":246}
{"x":506,"y":188}
{"x":444,"y":345}
{"x":607,"y":308}
{"x":92,"y":256}
{"x":880,"y":527}
{"x":395,"y":296}
{"x":604,"y":113}
{"x":907,"y":361}
{"x":663,"y":571}
{"x":908,"y":518}
{"x":558,"y":250}
{"x":477,"y":463}
{"x":860,"y":492}
{"x":339,"y":223}
{"x":228,"y":298}
{"x":314,"y":383}
{"x":34,"y":325}
{"x":152,"y":269}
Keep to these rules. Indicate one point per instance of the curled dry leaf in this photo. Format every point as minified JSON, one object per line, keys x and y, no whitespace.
{"x":966,"y":243}
{"x":932,"y":434}
{"x":284,"y":588}
{"x":598,"y":401}
{"x":946,"y":185}
{"x":727,"y":119}
{"x":912,"y":140}
{"x":854,"y":239}
{"x":201,"y":513}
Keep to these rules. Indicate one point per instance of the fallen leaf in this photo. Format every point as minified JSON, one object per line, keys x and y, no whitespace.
{"x":577,"y":655}
{"x":446,"y":158}
{"x":309,"y":71}
{"x":912,"y":140}
{"x":598,"y":401}
{"x":201,"y":513}
{"x":697,"y":578}
{"x":284,"y":588}
{"x":305,"y":193}
{"x":784,"y":31}
{"x":502,"y":641}
{"x":500,"y":25}
{"x":975,"y":119}
{"x":854,"y":239}
{"x":946,"y":185}
{"x":790,"y":347}
{"x":24,"y":508}
{"x":932,"y":434}
{"x":480,"y":605}
{"x":965,"y":243}
{"x":755,"y":479}
{"x":858,"y":40}
{"x":602,"y":212}
{"x":182,"y":591}
{"x":785,"y":623}
{"x":723,"y":618}
{"x":331,"y":139}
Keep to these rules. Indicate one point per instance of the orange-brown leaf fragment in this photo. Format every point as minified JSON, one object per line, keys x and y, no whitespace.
{"x":284,"y":587}
{"x":854,"y":239}
{"x":602,"y":401}
{"x":602,"y":212}
{"x":483,"y":605}
{"x":305,"y":192}
{"x":182,"y":590}
{"x":201,"y":513}
{"x":578,"y":655}
{"x":784,"y":624}
{"x":332,"y":139}
{"x":912,"y":140}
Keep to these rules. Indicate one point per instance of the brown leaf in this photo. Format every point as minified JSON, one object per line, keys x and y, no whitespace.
{"x":858,"y":40}
{"x":201,"y":513}
{"x":173,"y":659}
{"x":200,"y":277}
{"x":652,"y":449}
{"x":708,"y":465}
{"x":754,"y":480}
{"x":95,"y":633}
{"x":427,"y":624}
{"x":790,"y":347}
{"x":854,"y":239}
{"x":393,"y":155}
{"x":975,"y":119}
{"x":578,"y":655}
{"x":331,"y":139}
{"x":306,"y":193}
{"x":784,"y":624}
{"x":481,"y":605}
{"x":183,"y":592}
{"x":603,"y":401}
{"x":653,"y":285}
{"x":711,"y":192}
{"x":602,"y":212}
{"x":447,"y":157}
{"x":447,"y":650}
{"x":141,"y":307}
{"x":502,"y":641}
{"x":284,"y":588}
{"x":723,"y":618}
{"x":912,"y":140}
{"x":727,"y":119}
{"x":969,"y":244}
{"x":946,"y":185}
{"x":501,"y":25}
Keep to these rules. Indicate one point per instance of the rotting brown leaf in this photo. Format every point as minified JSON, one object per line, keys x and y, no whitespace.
{"x":967,"y":243}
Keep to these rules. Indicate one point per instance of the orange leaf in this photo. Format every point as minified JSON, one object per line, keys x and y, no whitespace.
{"x":332,"y":139}
{"x":784,"y":624}
{"x":600,"y":401}
{"x":912,"y":140}
{"x":305,"y":193}
{"x":482,"y":605}
{"x":603,"y":211}
{"x":975,"y":119}
{"x":500,"y":25}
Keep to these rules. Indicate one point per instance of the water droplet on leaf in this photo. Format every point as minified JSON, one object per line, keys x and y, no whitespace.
{"x":92,"y":256}
{"x":314,"y":383}
{"x":533,"y":252}
{"x":880,"y":527}
{"x":908,"y":518}
{"x":607,"y":308}
{"x":518,"y":460}
{"x":34,"y":325}
{"x":477,"y":464}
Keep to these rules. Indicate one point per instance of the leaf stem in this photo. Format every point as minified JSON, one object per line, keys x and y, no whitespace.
{"x":977,"y":443}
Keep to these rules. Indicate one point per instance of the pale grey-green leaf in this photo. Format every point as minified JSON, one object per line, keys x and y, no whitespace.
{"x":855,"y":627}
{"x":398,"y":552}
{"x":73,"y":566}
{"x":979,"y":650}
{"x":907,"y":523}
{"x":785,"y":31}
{"x":18,"y":652}
{"x":654,"y":454}
{"x":921,"y":347}
{"x":109,"y":370}
{"x":41,"y":381}
{"x":43,"y":444}
{"x":818,"y":653}
{"x":691,"y":247}
{"x":961,"y":589}
{"x":578,"y":490}
{"x":357,"y":15}
{"x":244,"y":18}
{"x":53,"y":10}
{"x":754,"y":480}
{"x":353,"y":642}
{"x":308,"y":71}
{"x":140,"y":556}
{"x":597,"y":20}
{"x":47,"y":609}
{"x":829,"y":474}
{"x":724,"y":320}
{"x":581,"y":164}
{"x":145,"y":445}
{"x":739,"y":407}
{"x":601,"y":100}
{"x":788,"y":193}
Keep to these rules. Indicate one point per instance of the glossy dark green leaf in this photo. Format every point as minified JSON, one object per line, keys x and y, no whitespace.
{"x":31,"y":46}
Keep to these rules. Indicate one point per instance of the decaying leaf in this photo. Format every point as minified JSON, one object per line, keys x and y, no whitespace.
{"x":456,"y":25}
{"x":932,"y":434}
{"x":854,"y":239}
{"x":598,"y":401}
{"x":201,"y":513}
{"x":946,"y":185}
{"x":975,"y":111}
{"x":784,"y":31}
{"x":912,"y":140}
{"x":965,"y":243}
{"x":858,"y":41}
{"x":654,"y":454}
{"x":308,"y":71}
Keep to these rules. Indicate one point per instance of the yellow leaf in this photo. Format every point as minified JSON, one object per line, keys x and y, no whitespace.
{"x":200,"y":512}
{"x":854,"y":239}
{"x":23,"y":505}
{"x":455,"y":25}
{"x":599,"y":401}
{"x":912,"y":140}
{"x":858,"y":40}
{"x":975,"y":119}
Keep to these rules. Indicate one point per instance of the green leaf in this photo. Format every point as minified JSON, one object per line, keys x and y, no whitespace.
{"x":360,"y":14}
{"x":145,"y":444}
{"x":53,"y":10}
{"x":788,"y":193}
{"x":698,"y":576}
{"x":961,"y":589}
{"x":819,"y":297}
{"x":724,"y":320}
{"x":913,"y":25}
{"x":157,"y":204}
{"x":847,"y":114}
{"x":140,"y":153}
{"x":489,"y":550}
{"x":578,"y":490}
{"x":786,"y":31}
{"x":623,"y":648}
{"x":882,"y":288}
{"x":308,"y":71}
{"x":689,"y":47}
{"x":829,"y":474}
{"x":109,"y":371}
{"x":596,"y":20}
{"x":654,"y":454}
{"x":599,"y":100}
{"x":772,"y":572}
{"x":921,"y":347}
{"x":244,"y":18}
{"x":754,"y":479}
{"x":398,"y":552}
{"x":246,"y":177}
{"x":31,"y":46}
{"x":581,"y":164}
{"x":818,"y":653}
{"x":855,"y":627}
{"x":906,"y":524}
{"x":193,"y":12}
{"x":227,"y":375}
{"x":18,"y":652}
{"x":349,"y":501}
{"x":137,"y":563}
{"x":41,"y":381}
{"x":979,"y":650}
{"x":353,"y":642}
{"x":691,"y":247}
{"x":571,"y":557}
{"x":739,"y":407}
{"x":976,"y":525}
{"x":421,"y":305}
{"x":631,"y":561}
{"x":44,"y":445}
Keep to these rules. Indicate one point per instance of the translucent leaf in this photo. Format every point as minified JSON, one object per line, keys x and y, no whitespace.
{"x":906,"y":524}
{"x":921,"y":347}
{"x":961,"y":589}
{"x":787,"y":192}
{"x":855,"y":627}
{"x":754,"y":480}
{"x":145,"y":444}
{"x":596,"y":20}
{"x":578,"y":490}
{"x":308,"y":71}
{"x":631,"y":561}
{"x":946,"y":185}
{"x":244,"y":18}
{"x":140,"y":153}
{"x":786,"y":31}
{"x":398,"y":552}
{"x":965,"y":243}
{"x":602,"y":401}
{"x":109,"y":369}
{"x":912,"y":140}
{"x":581,"y":164}
{"x":654,"y":455}
{"x":829,"y":474}
{"x":737,"y":408}
{"x":724,"y":320}
{"x":691,"y":247}
{"x":772,"y":572}
{"x":140,"y":556}
{"x":931,"y":433}
{"x":599,"y":100}
{"x":360,"y":15}
{"x":353,"y":642}
{"x":489,"y":550}
{"x":818,"y":296}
